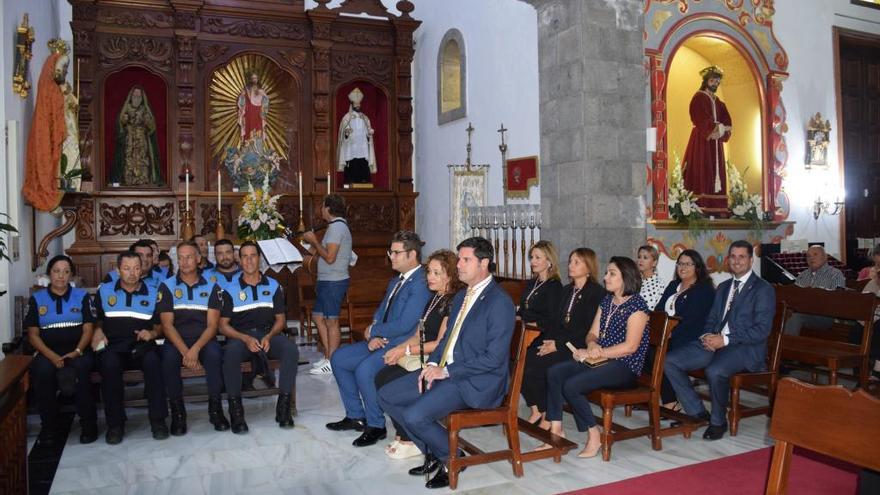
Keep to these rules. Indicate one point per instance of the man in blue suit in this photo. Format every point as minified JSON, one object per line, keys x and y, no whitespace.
{"x":355,"y":366}
{"x":468,"y":369}
{"x":735,"y":340}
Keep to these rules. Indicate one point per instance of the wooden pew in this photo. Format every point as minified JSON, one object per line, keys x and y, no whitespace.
{"x":831,"y":355}
{"x":759,"y":382}
{"x":647,"y":392}
{"x":830,"y":420}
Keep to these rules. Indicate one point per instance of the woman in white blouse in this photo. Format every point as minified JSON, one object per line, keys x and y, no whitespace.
{"x":652,"y":284}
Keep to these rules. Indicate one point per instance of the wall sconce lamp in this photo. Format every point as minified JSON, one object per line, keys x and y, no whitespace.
{"x":827,"y":207}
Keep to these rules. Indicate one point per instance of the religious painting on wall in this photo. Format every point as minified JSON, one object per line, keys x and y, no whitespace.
{"x":520,"y":175}
{"x":135,"y":130}
{"x":818,"y":132}
{"x":252,"y":121}
{"x":362,"y":136}
{"x":468,"y":187}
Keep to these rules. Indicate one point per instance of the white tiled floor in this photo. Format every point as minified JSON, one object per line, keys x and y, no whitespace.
{"x":313,"y":460}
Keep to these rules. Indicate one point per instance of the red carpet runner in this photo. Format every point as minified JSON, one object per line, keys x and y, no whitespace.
{"x":743,"y":474}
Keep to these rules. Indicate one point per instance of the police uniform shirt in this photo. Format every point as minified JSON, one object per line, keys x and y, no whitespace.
{"x":253,"y":306}
{"x":153,"y":278}
{"x":221,"y":278}
{"x":190,"y":304}
{"x":124,"y":313}
{"x":60,"y":318}
{"x":164,"y":272}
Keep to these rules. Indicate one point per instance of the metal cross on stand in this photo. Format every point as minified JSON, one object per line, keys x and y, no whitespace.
{"x":470,"y":130}
{"x":502,"y":146}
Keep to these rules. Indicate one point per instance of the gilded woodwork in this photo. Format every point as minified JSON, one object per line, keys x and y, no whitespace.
{"x":188,"y":43}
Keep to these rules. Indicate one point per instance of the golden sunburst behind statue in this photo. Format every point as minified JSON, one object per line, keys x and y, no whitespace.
{"x":250,"y":98}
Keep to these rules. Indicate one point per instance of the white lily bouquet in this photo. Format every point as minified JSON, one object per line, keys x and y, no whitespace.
{"x":743,"y":205}
{"x":682,"y":203}
{"x":259,"y":218}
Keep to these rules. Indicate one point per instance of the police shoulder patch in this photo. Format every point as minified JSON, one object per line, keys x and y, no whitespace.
{"x":159,"y":296}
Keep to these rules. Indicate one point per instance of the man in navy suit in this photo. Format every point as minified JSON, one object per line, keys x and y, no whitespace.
{"x":355,"y":366}
{"x":735,"y":340}
{"x":468,"y":369}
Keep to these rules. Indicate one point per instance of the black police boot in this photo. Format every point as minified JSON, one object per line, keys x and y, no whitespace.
{"x":178,"y":417}
{"x":236,"y":415}
{"x":283,"y":415}
{"x":114,"y":435}
{"x":159,"y":429}
{"x":215,"y":413}
{"x":89,"y":431}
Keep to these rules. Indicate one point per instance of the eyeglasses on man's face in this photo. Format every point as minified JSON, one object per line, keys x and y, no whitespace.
{"x":394,"y":252}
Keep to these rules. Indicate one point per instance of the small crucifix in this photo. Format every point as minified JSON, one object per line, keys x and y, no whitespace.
{"x":470,"y":130}
{"x":502,"y":146}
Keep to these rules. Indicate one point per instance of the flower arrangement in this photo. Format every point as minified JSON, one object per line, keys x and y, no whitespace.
{"x":259,"y":218}
{"x":682,"y":203}
{"x":743,"y":205}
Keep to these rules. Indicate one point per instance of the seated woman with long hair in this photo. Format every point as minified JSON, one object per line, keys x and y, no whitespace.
{"x":538,"y":303}
{"x":442,"y":278}
{"x":689,"y":297}
{"x":619,"y":335}
{"x":574,"y":312}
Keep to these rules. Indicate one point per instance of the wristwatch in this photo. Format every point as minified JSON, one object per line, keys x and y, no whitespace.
{"x":78,"y":351}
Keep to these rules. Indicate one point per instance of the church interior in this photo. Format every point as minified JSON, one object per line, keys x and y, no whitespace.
{"x":726,"y":145}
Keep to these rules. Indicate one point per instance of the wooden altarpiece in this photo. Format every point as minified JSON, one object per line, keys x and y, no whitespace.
{"x":182,"y":44}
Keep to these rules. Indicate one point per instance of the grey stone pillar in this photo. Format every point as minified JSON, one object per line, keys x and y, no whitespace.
{"x":593,"y":116}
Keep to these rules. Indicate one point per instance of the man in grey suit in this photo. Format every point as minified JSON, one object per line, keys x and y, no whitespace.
{"x":735,"y":340}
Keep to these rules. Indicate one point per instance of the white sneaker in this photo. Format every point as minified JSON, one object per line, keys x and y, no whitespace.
{"x":323,"y":370}
{"x":320,"y":363}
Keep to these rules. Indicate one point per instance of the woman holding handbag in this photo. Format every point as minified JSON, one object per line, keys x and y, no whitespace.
{"x":442,"y":277}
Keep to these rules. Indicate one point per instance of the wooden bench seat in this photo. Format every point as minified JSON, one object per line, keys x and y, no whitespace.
{"x":137,"y":376}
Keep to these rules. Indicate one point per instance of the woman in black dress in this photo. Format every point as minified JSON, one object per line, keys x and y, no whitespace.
{"x":574,"y":313}
{"x":538,"y":303}
{"x":442,"y":277}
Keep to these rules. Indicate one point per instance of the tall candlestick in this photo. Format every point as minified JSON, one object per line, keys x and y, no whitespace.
{"x":77,"y":79}
{"x":328,"y":183}
{"x":186,"y":178}
{"x":300,"y":193}
{"x":218,"y":193}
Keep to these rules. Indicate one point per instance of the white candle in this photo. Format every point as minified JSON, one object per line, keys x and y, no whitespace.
{"x":328,"y":183}
{"x":218,"y":190}
{"x":300,"y":193}
{"x":187,"y":191}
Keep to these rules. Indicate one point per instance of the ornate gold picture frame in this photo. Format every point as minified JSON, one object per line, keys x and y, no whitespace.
{"x":24,"y":39}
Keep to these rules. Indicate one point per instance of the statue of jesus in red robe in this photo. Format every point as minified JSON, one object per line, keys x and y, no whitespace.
{"x":704,"y":165}
{"x":253,"y":107}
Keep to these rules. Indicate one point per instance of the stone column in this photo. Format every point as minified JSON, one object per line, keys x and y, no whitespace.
{"x":594,"y":111}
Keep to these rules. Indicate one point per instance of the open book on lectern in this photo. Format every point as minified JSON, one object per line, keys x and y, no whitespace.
{"x":279,"y":251}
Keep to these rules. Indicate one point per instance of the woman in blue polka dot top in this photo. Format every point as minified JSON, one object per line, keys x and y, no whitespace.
{"x":619,"y":334}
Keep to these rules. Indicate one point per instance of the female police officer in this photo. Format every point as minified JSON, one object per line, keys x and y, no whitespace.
{"x":59,"y":323}
{"x":253,"y":317}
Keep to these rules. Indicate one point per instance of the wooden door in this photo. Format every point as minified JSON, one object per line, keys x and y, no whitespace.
{"x":860,"y":106}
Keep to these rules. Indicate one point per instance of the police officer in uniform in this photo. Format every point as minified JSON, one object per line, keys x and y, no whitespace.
{"x":59,"y":322}
{"x":252,"y":319}
{"x":226,"y":268}
{"x":204,"y":251}
{"x":150,"y":277}
{"x":189,"y":308}
{"x":163,"y":271}
{"x":127,"y":326}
